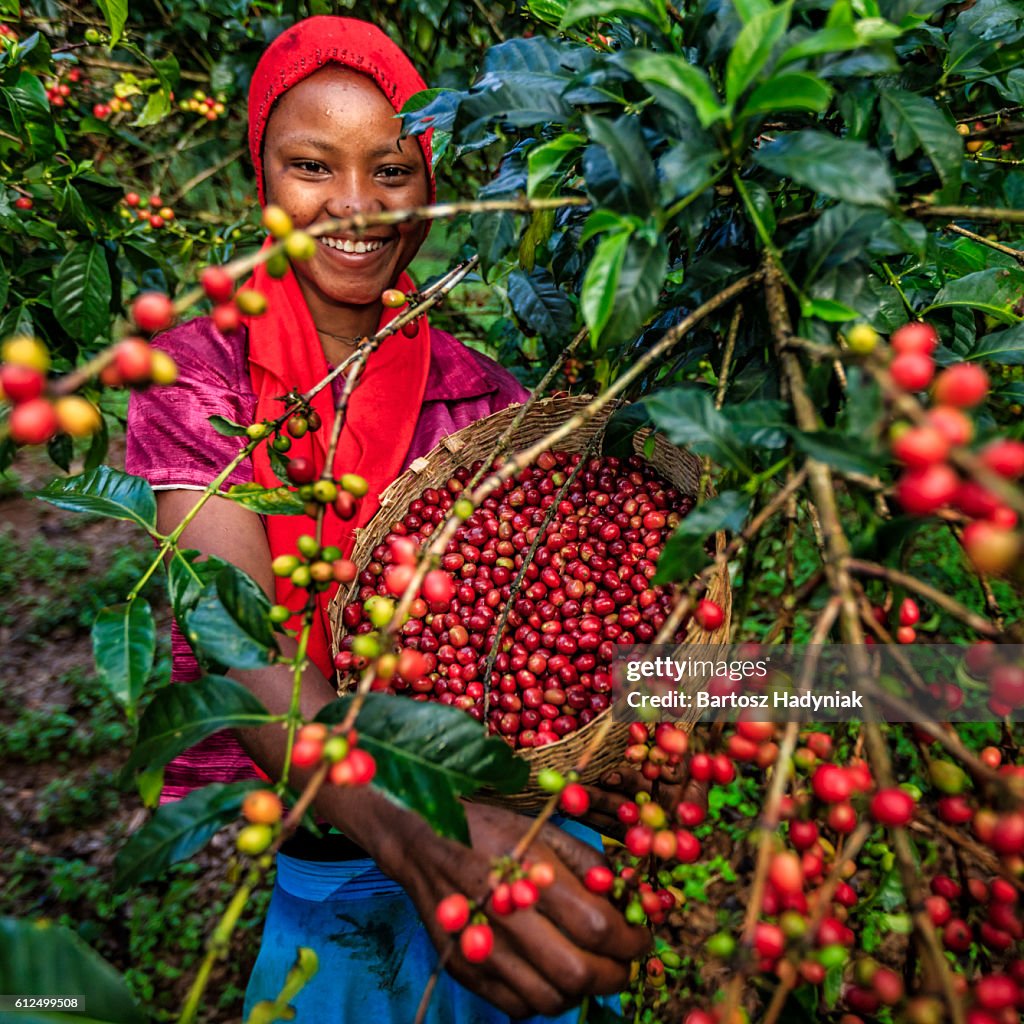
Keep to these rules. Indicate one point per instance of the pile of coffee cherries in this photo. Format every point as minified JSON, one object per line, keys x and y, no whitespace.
{"x":587,"y":589}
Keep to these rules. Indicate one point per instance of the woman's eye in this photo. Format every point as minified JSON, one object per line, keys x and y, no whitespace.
{"x":393,"y":171}
{"x":309,"y":166}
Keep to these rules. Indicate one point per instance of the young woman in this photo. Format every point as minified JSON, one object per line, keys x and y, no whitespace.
{"x":325,"y":143}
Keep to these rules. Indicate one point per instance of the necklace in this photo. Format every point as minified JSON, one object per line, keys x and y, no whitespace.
{"x":341,"y":337}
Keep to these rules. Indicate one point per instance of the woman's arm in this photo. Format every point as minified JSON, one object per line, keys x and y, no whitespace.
{"x":545,"y":959}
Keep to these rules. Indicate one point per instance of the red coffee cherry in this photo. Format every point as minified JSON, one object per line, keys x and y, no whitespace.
{"x":33,"y":422}
{"x":599,"y":879}
{"x":476,"y":943}
{"x":912,"y":371}
{"x":963,"y":386}
{"x":923,"y":491}
{"x":574,"y":800}
{"x":262,"y":807}
{"x":894,"y":807}
{"x":218,"y":284}
{"x":438,"y":588}
{"x":914,"y":338}
{"x":152,"y":312}
{"x":20,"y":383}
{"x":452,"y":912}
{"x":708,"y":614}
{"x":301,"y":471}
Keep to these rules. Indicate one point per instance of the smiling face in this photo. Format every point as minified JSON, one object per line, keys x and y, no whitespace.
{"x":332,"y":149}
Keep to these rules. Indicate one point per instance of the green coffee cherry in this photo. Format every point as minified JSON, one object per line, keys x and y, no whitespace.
{"x":279,"y":614}
{"x":284,"y":565}
{"x":550,"y":780}
{"x":325,"y":491}
{"x":354,"y":484}
{"x":307,"y":545}
{"x":366,"y":645}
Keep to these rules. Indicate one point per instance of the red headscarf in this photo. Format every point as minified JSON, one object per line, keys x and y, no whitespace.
{"x":285,"y":352}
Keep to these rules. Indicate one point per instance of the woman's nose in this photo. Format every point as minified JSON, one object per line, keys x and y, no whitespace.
{"x":353,"y":194}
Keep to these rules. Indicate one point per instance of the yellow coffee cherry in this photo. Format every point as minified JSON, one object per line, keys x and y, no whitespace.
{"x":23,"y":350}
{"x":862,"y":339}
{"x":277,"y":221}
{"x":77,"y":416}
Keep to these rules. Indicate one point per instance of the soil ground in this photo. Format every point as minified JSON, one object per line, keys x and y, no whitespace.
{"x":64,"y":812}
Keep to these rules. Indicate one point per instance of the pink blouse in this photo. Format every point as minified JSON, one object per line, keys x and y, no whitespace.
{"x":171,"y":444}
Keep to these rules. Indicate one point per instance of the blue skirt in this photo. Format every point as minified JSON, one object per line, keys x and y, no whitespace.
{"x":375,"y":954}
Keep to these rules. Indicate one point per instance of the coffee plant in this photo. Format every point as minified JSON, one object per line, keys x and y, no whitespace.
{"x":785,"y":236}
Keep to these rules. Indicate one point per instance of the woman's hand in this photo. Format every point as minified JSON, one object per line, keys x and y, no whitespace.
{"x":622,"y":785}
{"x":546,"y":959}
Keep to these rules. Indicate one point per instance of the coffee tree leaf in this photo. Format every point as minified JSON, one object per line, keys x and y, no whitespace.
{"x":647,"y":10}
{"x":915,"y":122}
{"x":836,"y":39}
{"x":539,"y":304}
{"x":229,"y":622}
{"x":428,"y":755}
{"x":993,"y":291}
{"x":187,"y":575}
{"x":82,"y":291}
{"x":268,"y":501}
{"x":797,"y":90}
{"x":1004,"y":347}
{"x":226,"y":427}
{"x":688,"y":417}
{"x":545,"y":160}
{"x":684,"y":554}
{"x":639,"y":285}
{"x":43,"y":958}
{"x":671,"y":72}
{"x":834,"y":449}
{"x":182,"y":714}
{"x":601,"y":282}
{"x":178,"y":830}
{"x":753,"y":46}
{"x":115,"y":14}
{"x":105,"y":491}
{"x":61,"y":451}
{"x":124,"y":647}
{"x":619,"y":171}
{"x":841,"y":168}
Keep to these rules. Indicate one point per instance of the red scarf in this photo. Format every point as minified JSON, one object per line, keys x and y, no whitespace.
{"x":285,"y":354}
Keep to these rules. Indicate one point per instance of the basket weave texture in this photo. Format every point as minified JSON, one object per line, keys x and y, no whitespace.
{"x":477,"y":441}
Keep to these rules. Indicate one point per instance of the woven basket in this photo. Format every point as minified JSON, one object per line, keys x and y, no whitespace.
{"x":680,"y":468}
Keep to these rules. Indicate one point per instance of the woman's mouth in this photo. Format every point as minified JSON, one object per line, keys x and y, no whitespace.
{"x":351,"y":245}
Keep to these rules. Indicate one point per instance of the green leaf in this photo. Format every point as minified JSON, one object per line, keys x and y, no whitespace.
{"x":1004,"y":347}
{"x":158,"y":106}
{"x":182,"y":714}
{"x":550,"y":12}
{"x":619,"y":171}
{"x":187,"y":575}
{"x":759,"y":423}
{"x":797,"y":90}
{"x":543,"y":161}
{"x":674,"y":73}
{"x":684,"y":553}
{"x":639,"y":284}
{"x":828,"y":310}
{"x":842,"y":168}
{"x":115,"y":13}
{"x":229,"y":623}
{"x":268,"y":501}
{"x":81,"y":292}
{"x":46,"y":959}
{"x":752,"y":48}
{"x":688,"y":417}
{"x":915,"y":122}
{"x":993,"y":291}
{"x":5,"y":285}
{"x":124,"y":646}
{"x":105,"y":492}
{"x":601,"y":282}
{"x":495,"y":235}
{"x":178,"y":830}
{"x":226,"y":427}
{"x":838,"y":38}
{"x":833,"y":448}
{"x":539,"y":304}
{"x":428,"y":755}
{"x":648,"y":10}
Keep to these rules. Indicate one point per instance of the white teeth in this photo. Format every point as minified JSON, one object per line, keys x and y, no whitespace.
{"x":347,"y":245}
